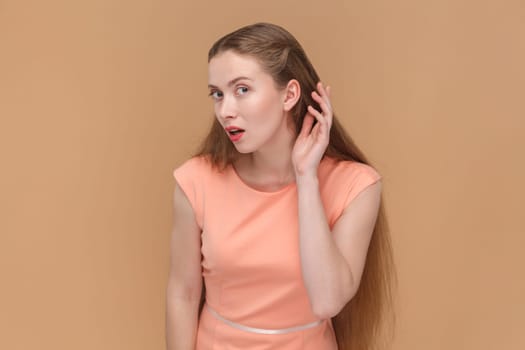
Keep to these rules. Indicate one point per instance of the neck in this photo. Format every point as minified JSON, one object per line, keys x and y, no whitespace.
{"x":276,"y":166}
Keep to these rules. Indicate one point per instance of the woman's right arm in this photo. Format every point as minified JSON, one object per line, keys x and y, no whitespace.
{"x":185,"y":278}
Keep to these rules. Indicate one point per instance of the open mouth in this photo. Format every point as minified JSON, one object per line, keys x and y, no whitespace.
{"x":235,"y":134}
{"x":235,"y":131}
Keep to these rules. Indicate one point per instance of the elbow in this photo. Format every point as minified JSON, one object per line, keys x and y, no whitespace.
{"x":328,"y":309}
{"x":331,"y":307}
{"x":184,"y":293}
{"x":325,"y":311}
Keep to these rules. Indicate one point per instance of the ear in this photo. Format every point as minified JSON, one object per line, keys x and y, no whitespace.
{"x":292,"y":93}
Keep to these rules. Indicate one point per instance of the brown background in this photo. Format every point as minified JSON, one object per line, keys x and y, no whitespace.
{"x":100,"y":100}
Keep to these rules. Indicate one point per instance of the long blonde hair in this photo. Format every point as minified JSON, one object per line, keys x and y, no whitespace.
{"x":367,"y":321}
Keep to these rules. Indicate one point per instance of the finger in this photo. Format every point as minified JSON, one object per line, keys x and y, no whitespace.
{"x":315,"y":130}
{"x":323,"y":103}
{"x":320,"y":118}
{"x":307,"y":125}
{"x":325,"y":94}
{"x":322,"y":89}
{"x":318,"y":133}
{"x":325,"y":123}
{"x":331,"y":115}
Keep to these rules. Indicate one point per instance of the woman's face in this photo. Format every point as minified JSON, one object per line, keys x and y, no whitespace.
{"x":246,"y":98}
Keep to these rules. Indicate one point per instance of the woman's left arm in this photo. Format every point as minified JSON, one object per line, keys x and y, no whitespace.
{"x":332,"y":262}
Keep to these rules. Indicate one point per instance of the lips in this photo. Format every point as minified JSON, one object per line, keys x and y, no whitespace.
{"x":234,"y":132}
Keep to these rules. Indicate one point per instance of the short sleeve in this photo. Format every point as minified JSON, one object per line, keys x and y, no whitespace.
{"x":190,"y":177}
{"x":363,"y":175}
{"x":341,"y":182}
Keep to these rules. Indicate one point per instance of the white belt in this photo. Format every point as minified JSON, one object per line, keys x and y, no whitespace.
{"x":261,"y":330}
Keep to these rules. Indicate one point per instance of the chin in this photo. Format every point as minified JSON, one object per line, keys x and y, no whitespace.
{"x":244,"y":149}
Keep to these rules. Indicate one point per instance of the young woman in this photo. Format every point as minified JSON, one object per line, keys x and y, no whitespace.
{"x":279,"y":213}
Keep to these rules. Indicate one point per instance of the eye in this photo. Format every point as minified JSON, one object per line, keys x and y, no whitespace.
{"x":241,"y":90}
{"x":215,"y":94}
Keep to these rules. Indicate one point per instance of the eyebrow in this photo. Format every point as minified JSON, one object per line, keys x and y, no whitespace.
{"x":231,"y":82}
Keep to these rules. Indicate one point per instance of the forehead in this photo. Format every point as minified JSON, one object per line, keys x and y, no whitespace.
{"x":229,"y":65}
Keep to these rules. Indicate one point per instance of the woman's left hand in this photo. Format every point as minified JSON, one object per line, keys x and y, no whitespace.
{"x":312,"y":142}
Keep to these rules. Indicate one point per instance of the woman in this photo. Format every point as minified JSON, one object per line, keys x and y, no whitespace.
{"x":279,"y":212}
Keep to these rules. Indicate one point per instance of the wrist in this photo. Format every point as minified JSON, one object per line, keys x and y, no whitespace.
{"x":306,"y":180}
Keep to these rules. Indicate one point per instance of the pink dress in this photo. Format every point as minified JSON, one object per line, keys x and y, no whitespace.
{"x":250,"y":254}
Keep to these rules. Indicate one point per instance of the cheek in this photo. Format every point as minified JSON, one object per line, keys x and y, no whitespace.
{"x":264,"y":106}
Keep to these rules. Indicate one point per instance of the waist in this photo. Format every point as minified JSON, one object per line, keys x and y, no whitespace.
{"x":262,"y":330}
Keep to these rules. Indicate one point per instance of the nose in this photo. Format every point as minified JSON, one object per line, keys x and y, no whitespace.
{"x":227,"y":108}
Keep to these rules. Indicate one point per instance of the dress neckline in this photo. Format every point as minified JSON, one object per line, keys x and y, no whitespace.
{"x":278,"y":191}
